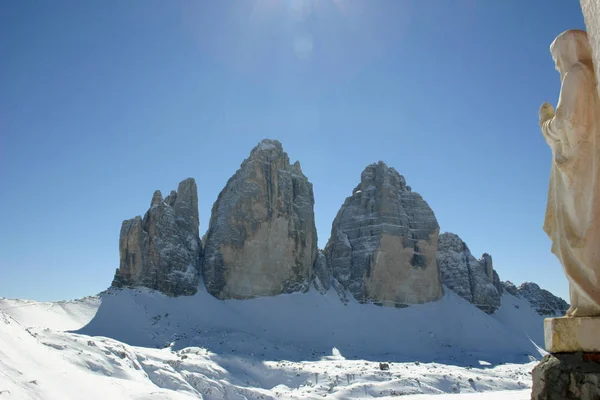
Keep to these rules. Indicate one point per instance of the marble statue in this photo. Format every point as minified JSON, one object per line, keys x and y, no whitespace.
{"x":572,"y":218}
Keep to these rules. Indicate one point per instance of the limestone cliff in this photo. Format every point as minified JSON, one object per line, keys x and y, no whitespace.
{"x":488,"y":266}
{"x":321,"y":274}
{"x":262,"y":239}
{"x":473,"y":280}
{"x":162,"y":250}
{"x":383,"y":242}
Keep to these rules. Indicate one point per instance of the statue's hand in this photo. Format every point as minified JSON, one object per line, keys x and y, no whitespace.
{"x":546,"y":112}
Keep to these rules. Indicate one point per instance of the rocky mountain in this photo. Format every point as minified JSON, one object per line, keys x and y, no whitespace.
{"x":383,"y":242}
{"x":162,"y":250}
{"x":262,"y":239}
{"x":472,"y":279}
{"x":544,"y":302}
{"x":476,"y":281}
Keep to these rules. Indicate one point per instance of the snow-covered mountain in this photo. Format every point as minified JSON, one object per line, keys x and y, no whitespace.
{"x":255,"y":311}
{"x":139,"y":343}
{"x":384,"y":248}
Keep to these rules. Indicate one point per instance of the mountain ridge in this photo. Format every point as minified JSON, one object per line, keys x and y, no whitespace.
{"x":385,"y":245}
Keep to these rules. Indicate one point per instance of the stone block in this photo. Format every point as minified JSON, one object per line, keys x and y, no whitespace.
{"x":570,"y":335}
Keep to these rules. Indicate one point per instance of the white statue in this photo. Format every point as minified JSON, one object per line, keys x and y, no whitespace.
{"x":573,"y":212}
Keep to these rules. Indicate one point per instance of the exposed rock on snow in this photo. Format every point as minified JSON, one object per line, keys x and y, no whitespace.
{"x":488,"y":267}
{"x":384,"y":240}
{"x":510,"y":288}
{"x":262,"y":239}
{"x":544,"y":302}
{"x":162,"y":250}
{"x":473,"y":280}
{"x":321,"y":274}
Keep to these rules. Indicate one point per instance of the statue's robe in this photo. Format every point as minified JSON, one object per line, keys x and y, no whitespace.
{"x":573,"y":211}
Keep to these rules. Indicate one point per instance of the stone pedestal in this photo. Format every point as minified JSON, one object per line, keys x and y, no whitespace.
{"x":572,"y":370}
{"x":567,"y":376}
{"x":570,"y":335}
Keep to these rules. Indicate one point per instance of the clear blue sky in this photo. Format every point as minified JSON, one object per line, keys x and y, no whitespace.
{"x":102,"y":102}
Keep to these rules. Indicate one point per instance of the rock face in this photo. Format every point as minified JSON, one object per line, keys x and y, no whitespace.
{"x":488,"y":266}
{"x":383,"y":242}
{"x":321,"y":274}
{"x":162,"y":250}
{"x":544,"y":302}
{"x":510,"y":288}
{"x":262,"y":239}
{"x":567,"y":376}
{"x":473,"y":280}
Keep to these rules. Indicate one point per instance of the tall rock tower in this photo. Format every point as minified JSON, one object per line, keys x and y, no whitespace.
{"x":262,"y":239}
{"x":162,"y":250}
{"x":383,"y":242}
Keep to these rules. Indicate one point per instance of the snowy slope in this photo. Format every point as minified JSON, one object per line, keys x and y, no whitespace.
{"x":33,"y":367}
{"x":63,"y":315}
{"x":141,"y":344}
{"x":446,"y":330}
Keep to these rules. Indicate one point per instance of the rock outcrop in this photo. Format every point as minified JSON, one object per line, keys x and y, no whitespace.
{"x":162,"y":250}
{"x":567,"y":376}
{"x":488,"y":266}
{"x":262,"y":239}
{"x":544,"y":302}
{"x":321,"y":274}
{"x":383,"y":242}
{"x":510,"y":288}
{"x":473,"y":280}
